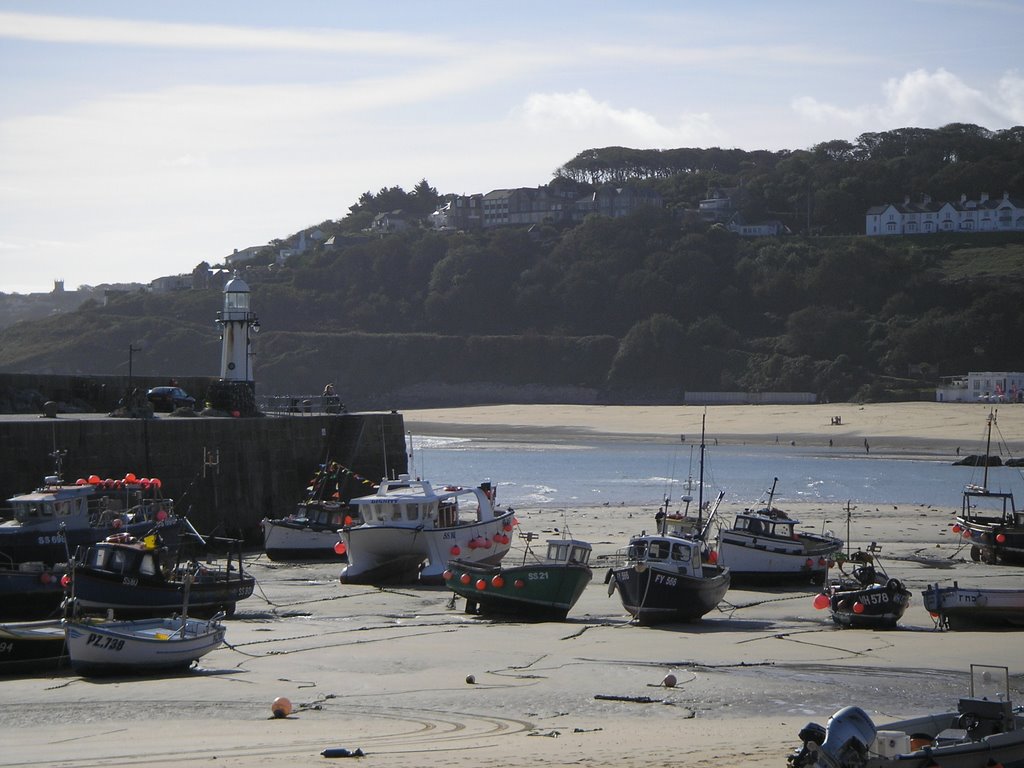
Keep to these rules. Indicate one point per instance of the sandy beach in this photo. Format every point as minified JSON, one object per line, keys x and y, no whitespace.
{"x":385,"y":670}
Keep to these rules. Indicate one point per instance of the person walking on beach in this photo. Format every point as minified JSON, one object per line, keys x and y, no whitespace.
{"x":867,"y":448}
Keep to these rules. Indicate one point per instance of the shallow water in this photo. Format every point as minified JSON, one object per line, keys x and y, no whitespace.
{"x":594,"y":472}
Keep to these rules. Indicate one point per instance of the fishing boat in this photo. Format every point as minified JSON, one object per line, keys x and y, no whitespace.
{"x":984,"y":731}
{"x":409,"y":531}
{"x":311,"y":534}
{"x":959,"y":607}
{"x":135,"y":579}
{"x":142,"y":646}
{"x":49,"y":523}
{"x":28,"y":647}
{"x":989,"y":520}
{"x":764,"y":547}
{"x":540,"y":588}
{"x":669,"y":576}
{"x":866,"y":598}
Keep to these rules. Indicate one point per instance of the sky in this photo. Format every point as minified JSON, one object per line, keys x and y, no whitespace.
{"x":138,"y":139}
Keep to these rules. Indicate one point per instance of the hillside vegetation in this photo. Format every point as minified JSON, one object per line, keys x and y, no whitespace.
{"x":637,"y":309}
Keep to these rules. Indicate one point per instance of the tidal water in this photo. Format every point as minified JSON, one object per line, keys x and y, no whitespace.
{"x":582,"y":472}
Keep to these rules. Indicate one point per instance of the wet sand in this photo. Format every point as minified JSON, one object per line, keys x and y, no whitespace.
{"x":385,"y":670}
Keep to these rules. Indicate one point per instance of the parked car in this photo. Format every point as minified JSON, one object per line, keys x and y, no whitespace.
{"x":170,"y":398}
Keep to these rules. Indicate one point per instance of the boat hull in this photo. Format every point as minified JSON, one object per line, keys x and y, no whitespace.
{"x":98,"y":591}
{"x":966,"y":608}
{"x":139,"y":647}
{"x":539,"y":591}
{"x":385,"y":554}
{"x":655,"y":596}
{"x":881,"y":605}
{"x":291,"y":541}
{"x":768,"y":561}
{"x":994,"y":541}
{"x":30,"y":591}
{"x":31,"y":647}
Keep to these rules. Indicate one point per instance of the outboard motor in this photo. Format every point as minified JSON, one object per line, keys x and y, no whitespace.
{"x":843,"y":743}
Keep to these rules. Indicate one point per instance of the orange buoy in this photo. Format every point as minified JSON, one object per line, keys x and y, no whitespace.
{"x":447,"y":575}
{"x":1001,"y":538}
{"x":465,"y":578}
{"x":282,"y":707}
{"x":858,"y":607}
{"x":340,"y":548}
{"x":498,"y":582}
{"x":821,"y":602}
{"x":456,"y":551}
{"x":519,"y":583}
{"x":481,"y":584}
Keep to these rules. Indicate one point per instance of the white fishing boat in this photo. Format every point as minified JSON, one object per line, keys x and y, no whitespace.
{"x":309,"y":534}
{"x":763,"y":546}
{"x":409,"y":531}
{"x":141,"y":646}
{"x":983,"y":732}
{"x":959,"y":607}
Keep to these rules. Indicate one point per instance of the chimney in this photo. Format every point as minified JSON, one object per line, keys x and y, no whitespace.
{"x":984,"y":197}
{"x":963,"y":199}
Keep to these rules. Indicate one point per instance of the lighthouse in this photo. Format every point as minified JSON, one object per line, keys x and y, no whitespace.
{"x":236,"y":390}
{"x":238,"y":324}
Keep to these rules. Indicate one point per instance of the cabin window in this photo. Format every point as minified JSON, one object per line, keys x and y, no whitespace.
{"x":556,"y":551}
{"x":659,"y":550}
{"x":118,"y":561}
{"x":99,"y":557}
{"x":148,"y":566}
{"x":681,"y":552}
{"x":579,"y":555}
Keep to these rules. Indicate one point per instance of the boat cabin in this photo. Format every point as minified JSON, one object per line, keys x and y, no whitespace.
{"x":761,"y":525}
{"x":682,"y":555}
{"x":82,"y":505}
{"x":127,"y":557}
{"x":569,"y":551}
{"x":996,"y":507}
{"x":414,"y":503}
{"x":327,"y":516}
{"x":52,"y":504}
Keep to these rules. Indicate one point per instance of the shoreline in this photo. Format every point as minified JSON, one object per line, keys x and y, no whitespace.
{"x":902,"y":430}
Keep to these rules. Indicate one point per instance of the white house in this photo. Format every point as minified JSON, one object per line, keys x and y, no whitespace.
{"x":927,"y":217}
{"x":983,"y":386}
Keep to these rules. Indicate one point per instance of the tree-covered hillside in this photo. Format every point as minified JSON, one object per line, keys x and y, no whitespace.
{"x":640,"y":308}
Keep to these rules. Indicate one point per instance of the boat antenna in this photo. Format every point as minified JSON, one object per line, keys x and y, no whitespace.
{"x":771,"y":493}
{"x":58,"y":464}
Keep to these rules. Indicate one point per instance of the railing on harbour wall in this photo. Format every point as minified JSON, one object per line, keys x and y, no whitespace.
{"x":312,"y":405}
{"x":749,"y":398}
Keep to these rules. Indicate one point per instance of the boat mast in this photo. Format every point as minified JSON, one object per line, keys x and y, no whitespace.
{"x":771,"y":493}
{"x":700,"y":484}
{"x":988,"y":445}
